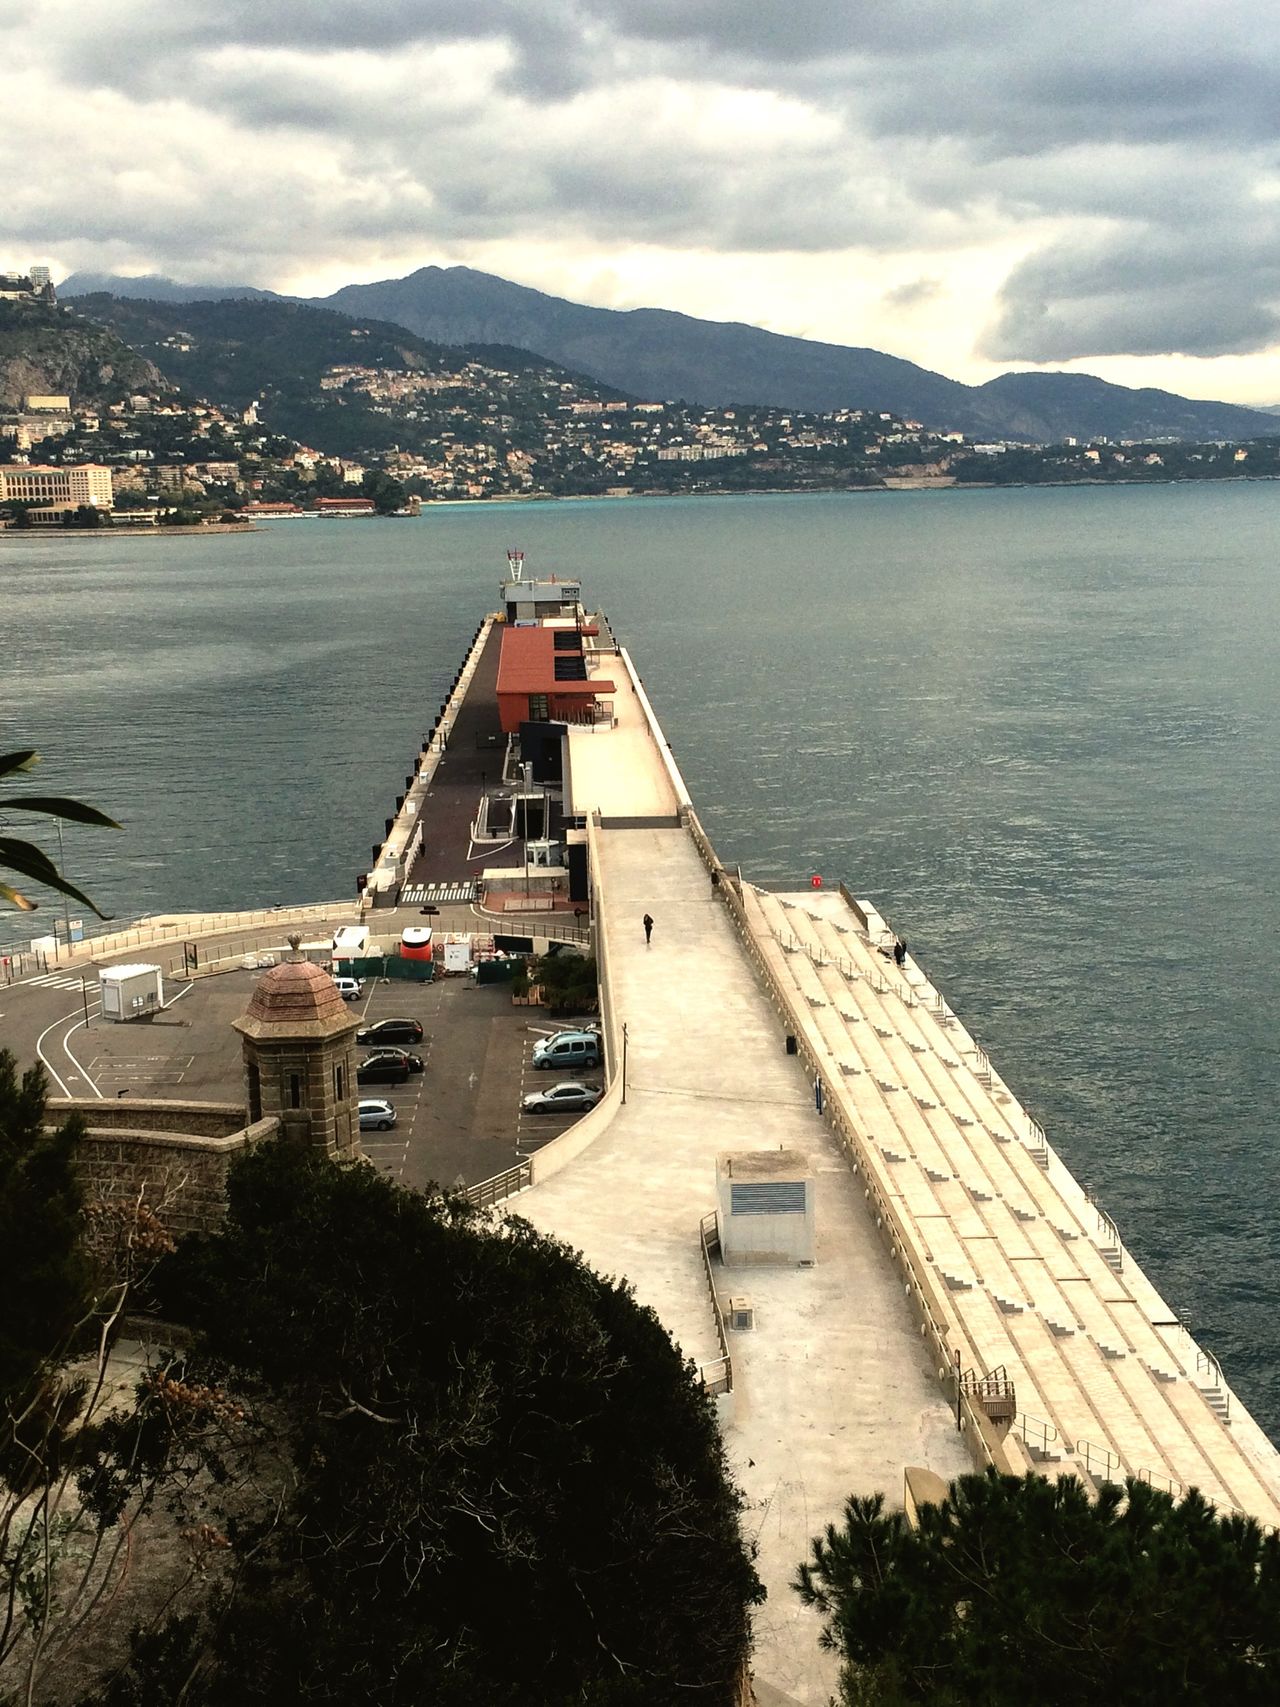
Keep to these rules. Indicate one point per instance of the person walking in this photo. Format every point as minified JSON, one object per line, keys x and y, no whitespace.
{"x":648,"y":930}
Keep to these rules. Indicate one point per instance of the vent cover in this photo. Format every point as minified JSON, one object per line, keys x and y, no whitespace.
{"x":768,"y":1197}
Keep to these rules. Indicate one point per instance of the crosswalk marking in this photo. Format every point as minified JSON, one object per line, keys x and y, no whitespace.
{"x":417,"y":894}
{"x":53,"y":981}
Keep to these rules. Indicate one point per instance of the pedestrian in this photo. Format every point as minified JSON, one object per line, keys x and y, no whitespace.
{"x":648,"y":930}
{"x":899,"y":951}
{"x":715,"y":881}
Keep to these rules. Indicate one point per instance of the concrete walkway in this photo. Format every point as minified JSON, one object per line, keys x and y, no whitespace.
{"x":832,"y":1392}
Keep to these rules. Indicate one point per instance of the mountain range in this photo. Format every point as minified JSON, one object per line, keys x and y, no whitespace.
{"x":660,"y":354}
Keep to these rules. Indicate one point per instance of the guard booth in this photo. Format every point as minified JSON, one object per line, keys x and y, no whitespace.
{"x":130,"y":992}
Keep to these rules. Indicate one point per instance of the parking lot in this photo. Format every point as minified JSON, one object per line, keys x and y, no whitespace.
{"x":458,"y":1121}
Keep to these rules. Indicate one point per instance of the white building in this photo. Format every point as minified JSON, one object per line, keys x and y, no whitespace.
{"x":37,"y":483}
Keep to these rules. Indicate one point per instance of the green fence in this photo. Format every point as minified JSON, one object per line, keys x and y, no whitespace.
{"x":387,"y":966}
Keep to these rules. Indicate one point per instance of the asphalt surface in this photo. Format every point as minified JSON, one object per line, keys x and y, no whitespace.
{"x":459,"y":1121}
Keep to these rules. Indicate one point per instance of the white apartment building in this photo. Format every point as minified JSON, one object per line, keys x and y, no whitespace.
{"x":35,"y":483}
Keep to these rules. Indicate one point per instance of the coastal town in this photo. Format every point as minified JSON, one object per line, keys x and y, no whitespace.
{"x":130,"y":435}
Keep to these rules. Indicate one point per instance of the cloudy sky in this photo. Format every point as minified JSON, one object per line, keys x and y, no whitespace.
{"x":976,"y":186}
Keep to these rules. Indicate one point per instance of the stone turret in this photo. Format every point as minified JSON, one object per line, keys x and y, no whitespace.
{"x":299,"y":1056}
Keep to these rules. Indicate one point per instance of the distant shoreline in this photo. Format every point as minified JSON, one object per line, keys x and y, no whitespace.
{"x":116,"y":531}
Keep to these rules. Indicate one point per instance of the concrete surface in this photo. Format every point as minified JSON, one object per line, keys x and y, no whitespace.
{"x":832,"y":1392}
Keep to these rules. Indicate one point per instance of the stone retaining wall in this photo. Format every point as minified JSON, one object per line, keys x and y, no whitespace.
{"x":180,"y":1175}
{"x":140,"y":1114}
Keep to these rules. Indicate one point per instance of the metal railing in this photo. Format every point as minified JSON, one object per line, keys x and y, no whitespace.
{"x":1039,"y":1435}
{"x":720,"y":1379}
{"x":489,"y":1191}
{"x":1167,"y":1484}
{"x":1099,"y":1463}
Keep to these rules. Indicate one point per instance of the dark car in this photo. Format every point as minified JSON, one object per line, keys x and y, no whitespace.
{"x":391,"y":1031}
{"x":387,"y":1067}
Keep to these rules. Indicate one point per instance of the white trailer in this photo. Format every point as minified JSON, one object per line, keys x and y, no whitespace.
{"x":130,"y":992}
{"x":351,"y":942}
{"x":457,"y":953}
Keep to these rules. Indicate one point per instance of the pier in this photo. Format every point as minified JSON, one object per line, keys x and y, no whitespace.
{"x":967,"y":1303}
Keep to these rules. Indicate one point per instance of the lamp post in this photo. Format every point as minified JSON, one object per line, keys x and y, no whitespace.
{"x":66,"y":918}
{"x":624,"y":1063}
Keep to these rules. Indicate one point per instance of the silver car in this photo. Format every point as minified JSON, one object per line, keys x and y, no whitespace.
{"x":376,"y":1115}
{"x":570,"y":1097}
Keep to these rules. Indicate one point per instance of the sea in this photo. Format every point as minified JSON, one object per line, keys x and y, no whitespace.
{"x":1039,"y":728}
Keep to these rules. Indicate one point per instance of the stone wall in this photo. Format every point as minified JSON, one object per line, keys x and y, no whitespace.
{"x":142,"y":1114}
{"x":180,"y":1176}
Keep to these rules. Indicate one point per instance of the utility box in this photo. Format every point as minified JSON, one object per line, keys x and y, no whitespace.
{"x":764,"y":1204}
{"x":130,"y":992}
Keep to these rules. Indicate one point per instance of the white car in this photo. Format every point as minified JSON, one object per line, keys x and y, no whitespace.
{"x":376,"y":1115}
{"x":570,"y":1097}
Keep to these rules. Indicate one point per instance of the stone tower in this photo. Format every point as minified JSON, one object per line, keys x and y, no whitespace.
{"x":299,"y":1057}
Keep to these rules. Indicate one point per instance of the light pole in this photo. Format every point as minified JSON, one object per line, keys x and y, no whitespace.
{"x":62,"y":872}
{"x":624,"y":1063}
{"x":66,"y":918}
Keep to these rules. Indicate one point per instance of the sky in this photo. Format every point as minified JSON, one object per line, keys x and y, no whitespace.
{"x":978,"y":187}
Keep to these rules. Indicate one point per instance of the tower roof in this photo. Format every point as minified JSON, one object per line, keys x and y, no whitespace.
{"x":295,"y":999}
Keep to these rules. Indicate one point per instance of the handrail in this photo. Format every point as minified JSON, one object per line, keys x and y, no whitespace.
{"x":1046,"y":1434}
{"x":1090,"y":1455}
{"x":1168,"y":1484}
{"x":493,"y":1190}
{"x":706,"y":1240}
{"x":1207,"y":1364}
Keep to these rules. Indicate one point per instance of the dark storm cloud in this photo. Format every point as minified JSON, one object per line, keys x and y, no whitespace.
{"x":1129,"y":153}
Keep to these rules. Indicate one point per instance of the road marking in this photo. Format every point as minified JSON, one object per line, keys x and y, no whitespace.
{"x":61,"y":1020}
{"x":66,"y":1047}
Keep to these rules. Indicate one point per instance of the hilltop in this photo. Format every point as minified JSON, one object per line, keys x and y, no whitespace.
{"x":49,"y":350}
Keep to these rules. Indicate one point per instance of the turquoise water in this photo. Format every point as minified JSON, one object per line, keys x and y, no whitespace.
{"x":1038,"y":728}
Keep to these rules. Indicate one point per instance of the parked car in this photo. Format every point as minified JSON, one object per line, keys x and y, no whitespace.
{"x":571,"y":1097}
{"x":387,"y":1066}
{"x":567,"y":1049}
{"x":348,"y":988}
{"x":391,"y":1031}
{"x":376,"y":1116}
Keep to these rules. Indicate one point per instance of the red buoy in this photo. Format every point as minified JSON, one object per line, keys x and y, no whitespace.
{"x":815,"y":882}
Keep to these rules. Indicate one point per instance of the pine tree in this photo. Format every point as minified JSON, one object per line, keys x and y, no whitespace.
{"x":1028,"y":1589}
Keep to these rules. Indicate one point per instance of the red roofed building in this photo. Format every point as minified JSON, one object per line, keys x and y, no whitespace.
{"x":344,"y":506}
{"x":542,"y":675}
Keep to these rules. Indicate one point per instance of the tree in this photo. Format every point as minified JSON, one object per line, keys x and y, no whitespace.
{"x":41,"y":1210}
{"x":509,"y":1487}
{"x":25,"y":858}
{"x":81,"y":1460}
{"x":1026,"y":1589}
{"x":387,"y":493}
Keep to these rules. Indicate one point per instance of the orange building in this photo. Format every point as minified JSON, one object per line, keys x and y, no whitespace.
{"x":542,"y":675}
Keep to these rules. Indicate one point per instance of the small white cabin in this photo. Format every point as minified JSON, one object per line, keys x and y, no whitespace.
{"x":130,"y":992}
